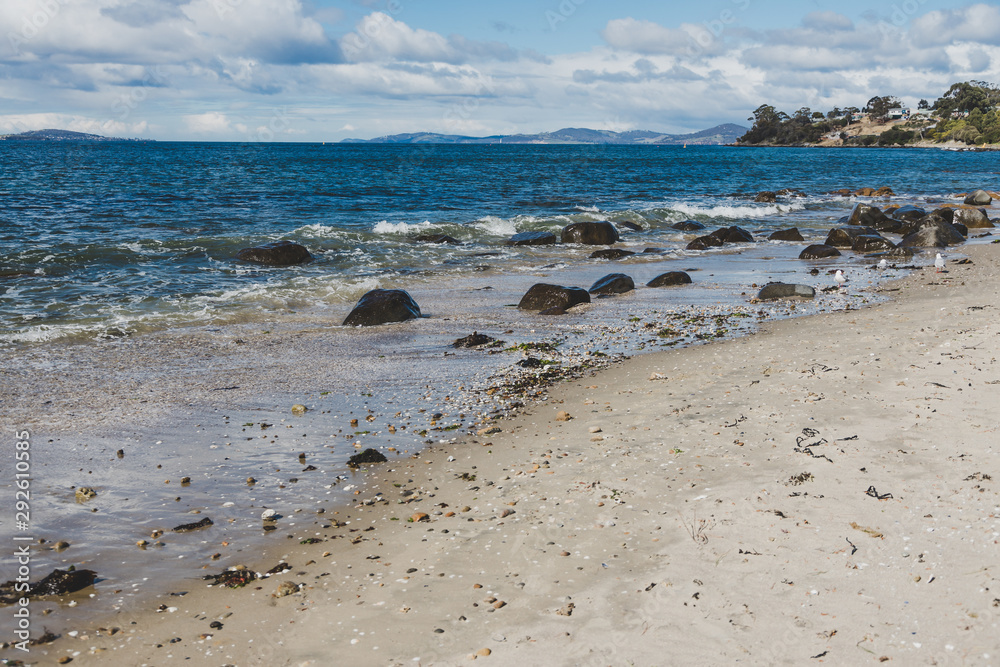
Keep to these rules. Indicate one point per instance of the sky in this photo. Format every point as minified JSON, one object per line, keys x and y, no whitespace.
{"x":326,"y":70}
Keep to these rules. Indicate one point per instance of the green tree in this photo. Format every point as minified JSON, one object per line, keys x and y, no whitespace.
{"x":878,"y":106}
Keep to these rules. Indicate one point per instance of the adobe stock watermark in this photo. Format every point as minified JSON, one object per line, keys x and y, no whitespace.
{"x":33,"y":23}
{"x":562,"y":13}
{"x":21,"y":555}
{"x":152,"y":77}
{"x":899,"y":16}
{"x":714,"y":28}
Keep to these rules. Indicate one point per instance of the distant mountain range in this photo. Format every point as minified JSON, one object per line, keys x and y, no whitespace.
{"x":59,"y":135}
{"x":718,"y":135}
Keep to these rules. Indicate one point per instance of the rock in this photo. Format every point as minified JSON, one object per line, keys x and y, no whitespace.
{"x":669,"y":279}
{"x":979,"y":198}
{"x":947,"y":214}
{"x":704,"y":243}
{"x":819,"y":251}
{"x":871,"y":243}
{"x":475,"y":340}
{"x":865,"y":215}
{"x":484,"y":652}
{"x":785,"y":291}
{"x":489,"y":430}
{"x":563,"y":416}
{"x":885,"y":191}
{"x":843,"y":237}
{"x":766,"y":197}
{"x":85,"y":493}
{"x":368,"y":456}
{"x":532,"y":238}
{"x":688,"y":226}
{"x":197,"y":525}
{"x":298,"y":409}
{"x":57,"y":582}
{"x":613,"y":283}
{"x":972,"y":218}
{"x":792,"y":234}
{"x":286,"y":588}
{"x":436,"y":239}
{"x":543,"y":296}
{"x":894,"y":253}
{"x":237,"y":576}
{"x":611,"y":253}
{"x":590,"y":233}
{"x":61,"y":546}
{"x":654,"y":251}
{"x":933,"y":232}
{"x":733,"y":235}
{"x":381,"y":306}
{"x":908,"y":213}
{"x":279,"y":253}
{"x":629,"y":225}
{"x":420,"y":516}
{"x":269,"y":515}
{"x":554,"y":310}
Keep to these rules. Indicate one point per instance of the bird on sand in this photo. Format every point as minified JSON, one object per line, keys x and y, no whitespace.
{"x":840,"y":278}
{"x":939,"y":263}
{"x":882,"y":264}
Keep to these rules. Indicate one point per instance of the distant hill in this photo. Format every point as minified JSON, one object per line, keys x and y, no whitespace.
{"x":718,"y":135}
{"x":59,"y":135}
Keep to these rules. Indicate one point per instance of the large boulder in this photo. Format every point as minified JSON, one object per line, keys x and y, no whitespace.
{"x":933,"y":232}
{"x":532,"y":238}
{"x":613,"y":283}
{"x":381,"y":306}
{"x":972,"y":218}
{"x":865,"y":215}
{"x":721,"y":237}
{"x":785,"y":291}
{"x":909,"y":213}
{"x":611,"y":253}
{"x":590,"y":233}
{"x":669,"y":279}
{"x":819,"y":251}
{"x":944,"y":213}
{"x":792,"y":234}
{"x":871,"y":243}
{"x":843,"y":237}
{"x":979,"y":198}
{"x":278,"y":253}
{"x":544,"y":296}
{"x":688,"y":226}
{"x":705,"y":242}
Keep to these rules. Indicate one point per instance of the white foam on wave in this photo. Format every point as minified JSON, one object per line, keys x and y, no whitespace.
{"x":316,"y":230}
{"x":588,"y":209}
{"x":737,"y":212}
{"x":386,"y":227}
{"x":497,"y":226}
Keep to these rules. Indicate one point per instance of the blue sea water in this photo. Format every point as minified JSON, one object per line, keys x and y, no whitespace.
{"x":99,"y":238}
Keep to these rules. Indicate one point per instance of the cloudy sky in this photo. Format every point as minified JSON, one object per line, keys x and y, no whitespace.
{"x":324,"y":70}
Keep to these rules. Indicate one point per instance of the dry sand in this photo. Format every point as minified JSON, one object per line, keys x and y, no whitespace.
{"x":822,"y":492}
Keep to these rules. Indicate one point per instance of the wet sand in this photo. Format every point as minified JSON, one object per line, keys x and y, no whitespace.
{"x":824,"y":490}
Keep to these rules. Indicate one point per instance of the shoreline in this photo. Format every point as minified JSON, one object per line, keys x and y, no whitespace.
{"x":521,"y":505}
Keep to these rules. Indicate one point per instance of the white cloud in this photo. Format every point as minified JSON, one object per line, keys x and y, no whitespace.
{"x":381,"y":38}
{"x":16,"y":123}
{"x":212,"y":122}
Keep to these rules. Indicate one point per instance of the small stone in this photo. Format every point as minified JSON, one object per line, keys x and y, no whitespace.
{"x":594,"y":429}
{"x":563,"y":416}
{"x":506,"y":513}
{"x":286,"y":588}
{"x":499,"y":604}
{"x":298,"y":409}
{"x":142,"y":544}
{"x":564,"y":553}
{"x":354,"y":423}
{"x":61,"y":546}
{"x":185,"y":481}
{"x":269,"y":515}
{"x":490,"y":430}
{"x":65,"y":660}
{"x":85,"y":493}
{"x":483,"y":652}
{"x":477,"y":585}
{"x":215,"y":625}
{"x":419,"y":516}
{"x":121,"y":453}
{"x":251,"y":481}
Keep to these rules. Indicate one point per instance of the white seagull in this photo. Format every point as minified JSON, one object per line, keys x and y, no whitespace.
{"x":939,"y":263}
{"x":882,"y":264}
{"x":840,"y":278}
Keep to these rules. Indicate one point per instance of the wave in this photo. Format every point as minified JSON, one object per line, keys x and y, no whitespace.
{"x":736,"y":212}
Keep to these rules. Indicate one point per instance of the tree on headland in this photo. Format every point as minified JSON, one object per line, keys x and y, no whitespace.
{"x":964,"y":97}
{"x":878,"y":107}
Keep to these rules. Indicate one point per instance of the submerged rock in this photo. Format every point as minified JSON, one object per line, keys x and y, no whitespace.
{"x":590,"y":233}
{"x":436,"y":239}
{"x":611,"y":253}
{"x":785,"y":291}
{"x":382,"y":306}
{"x":613,"y":283}
{"x":688,"y":226}
{"x":476,"y":339}
{"x":819,"y":251}
{"x":237,"y":576}
{"x":188,"y":527}
{"x":766,"y":197}
{"x":629,"y":225}
{"x":843,"y":237}
{"x":669,"y":279}
{"x":532,"y":238}
{"x":57,"y":582}
{"x":871,"y":243}
{"x":543,"y":296}
{"x":792,"y":234}
{"x":721,"y":237}
{"x":367,"y":456}
{"x":279,"y":253}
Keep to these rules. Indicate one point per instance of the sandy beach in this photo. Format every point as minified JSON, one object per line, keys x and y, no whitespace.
{"x":823,"y":491}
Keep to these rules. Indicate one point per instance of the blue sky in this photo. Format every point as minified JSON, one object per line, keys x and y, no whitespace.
{"x":324,"y":70}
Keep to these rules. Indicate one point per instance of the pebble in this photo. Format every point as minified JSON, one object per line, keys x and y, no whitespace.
{"x":299,"y":409}
{"x":61,"y":546}
{"x":85,"y":493}
{"x":419,"y":516}
{"x":268,"y":515}
{"x":484,"y":652}
{"x":488,"y":431}
{"x":563,"y":416}
{"x":286,"y":588}
{"x":594,"y":429}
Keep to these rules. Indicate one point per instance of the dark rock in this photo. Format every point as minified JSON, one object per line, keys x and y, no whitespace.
{"x":865,"y":215}
{"x":790,"y":192}
{"x":890,"y":226}
{"x":734,"y":235}
{"x":57,"y":582}
{"x":613,"y":283}
{"x":894,"y":253}
{"x":870,"y":243}
{"x":381,"y":306}
{"x":972,"y":218}
{"x":237,"y":577}
{"x":590,"y":233}
{"x":188,"y":527}
{"x":533,"y":238}
{"x":279,"y":253}
{"x":436,"y":239}
{"x":908,"y":213}
{"x":554,"y":310}
{"x":705,"y":242}
{"x":792,"y":234}
{"x":785,"y":291}
{"x":819,"y":251}
{"x":368,"y":456}
{"x":543,"y":296}
{"x":611,"y":253}
{"x":979,"y":198}
{"x":669,"y":279}
{"x":531,"y":362}
{"x":654,"y":251}
{"x":945,"y":213}
{"x":962,"y":229}
{"x":475,"y":340}
{"x":843,"y":237}
{"x":628,"y":224}
{"x":933,"y":232}
{"x":766,"y":197}
{"x":688,"y":226}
